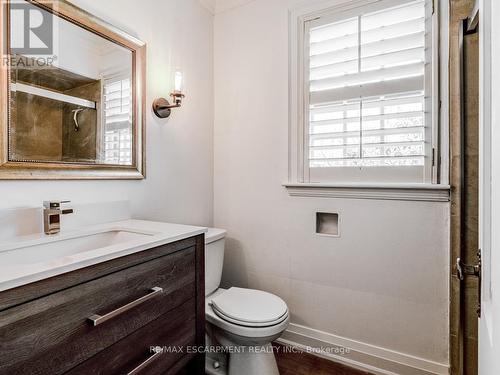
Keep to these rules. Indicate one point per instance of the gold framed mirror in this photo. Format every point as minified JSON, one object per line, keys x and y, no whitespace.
{"x":72,"y":94}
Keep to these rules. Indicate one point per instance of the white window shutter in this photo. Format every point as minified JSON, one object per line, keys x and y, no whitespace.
{"x":117,"y":121}
{"x":367,"y":99}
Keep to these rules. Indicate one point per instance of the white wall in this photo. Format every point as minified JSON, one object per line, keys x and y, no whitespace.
{"x":179,"y":150}
{"x":384,"y":282}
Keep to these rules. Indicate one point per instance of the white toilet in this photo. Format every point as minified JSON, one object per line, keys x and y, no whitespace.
{"x":242,"y":321}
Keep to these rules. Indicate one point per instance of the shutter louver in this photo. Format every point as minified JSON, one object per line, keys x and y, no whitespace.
{"x":367,"y":98}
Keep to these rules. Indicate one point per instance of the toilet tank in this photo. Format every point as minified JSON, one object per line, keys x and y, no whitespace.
{"x":214,"y":258}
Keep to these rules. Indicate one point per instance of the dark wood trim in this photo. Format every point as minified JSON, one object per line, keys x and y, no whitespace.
{"x":26,"y":293}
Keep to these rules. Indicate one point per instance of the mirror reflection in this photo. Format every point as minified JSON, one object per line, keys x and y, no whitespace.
{"x":77,"y":109}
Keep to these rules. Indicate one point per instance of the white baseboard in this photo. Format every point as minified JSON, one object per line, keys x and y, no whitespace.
{"x":377,"y":360}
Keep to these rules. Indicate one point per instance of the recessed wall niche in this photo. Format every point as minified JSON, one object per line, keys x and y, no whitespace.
{"x":327,"y":224}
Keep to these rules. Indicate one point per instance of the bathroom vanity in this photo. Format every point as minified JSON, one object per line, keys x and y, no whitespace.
{"x":97,"y":301}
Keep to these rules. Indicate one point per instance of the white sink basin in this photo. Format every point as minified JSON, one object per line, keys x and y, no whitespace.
{"x":26,"y":259}
{"x":55,"y":249}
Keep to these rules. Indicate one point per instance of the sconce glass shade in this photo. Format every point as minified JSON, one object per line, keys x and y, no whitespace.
{"x":178,"y":81}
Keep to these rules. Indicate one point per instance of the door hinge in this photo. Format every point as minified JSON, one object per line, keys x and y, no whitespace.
{"x":471,"y":270}
{"x":433,"y":157}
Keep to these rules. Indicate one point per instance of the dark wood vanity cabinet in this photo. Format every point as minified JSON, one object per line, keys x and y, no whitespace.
{"x":104,"y":319}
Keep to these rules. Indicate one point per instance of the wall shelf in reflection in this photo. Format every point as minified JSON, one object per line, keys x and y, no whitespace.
{"x":33,"y":90}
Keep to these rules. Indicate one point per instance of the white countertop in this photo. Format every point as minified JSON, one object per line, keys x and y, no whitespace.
{"x":23,"y":270}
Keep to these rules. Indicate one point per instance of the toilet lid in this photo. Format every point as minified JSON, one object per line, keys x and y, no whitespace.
{"x":249,"y":307}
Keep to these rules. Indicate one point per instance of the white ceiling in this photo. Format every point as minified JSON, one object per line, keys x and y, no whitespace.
{"x":219,"y":6}
{"x":209,"y":4}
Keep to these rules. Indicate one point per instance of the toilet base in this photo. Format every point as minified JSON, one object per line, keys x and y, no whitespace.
{"x":248,"y":361}
{"x":253,"y":361}
{"x":243,"y":355}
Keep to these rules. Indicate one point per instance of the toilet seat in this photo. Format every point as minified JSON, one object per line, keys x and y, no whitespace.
{"x":241,"y":326}
{"x":249,"y":307}
{"x":246,"y":324}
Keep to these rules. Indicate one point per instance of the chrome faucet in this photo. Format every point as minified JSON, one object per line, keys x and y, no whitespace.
{"x":52,"y":216}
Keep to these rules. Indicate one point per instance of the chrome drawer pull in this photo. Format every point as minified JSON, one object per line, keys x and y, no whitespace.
{"x":144,"y":364}
{"x":98,"y":319}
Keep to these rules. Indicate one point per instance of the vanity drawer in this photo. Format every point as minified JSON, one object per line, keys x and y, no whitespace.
{"x":53,"y":334}
{"x":132,"y":355}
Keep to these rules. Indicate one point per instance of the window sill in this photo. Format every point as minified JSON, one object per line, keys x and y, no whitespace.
{"x":400,"y":192}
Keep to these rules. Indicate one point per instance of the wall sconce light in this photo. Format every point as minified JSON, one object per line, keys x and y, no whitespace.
{"x":161,"y":106}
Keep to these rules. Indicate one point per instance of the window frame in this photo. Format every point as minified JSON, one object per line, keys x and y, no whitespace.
{"x":436,"y":139}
